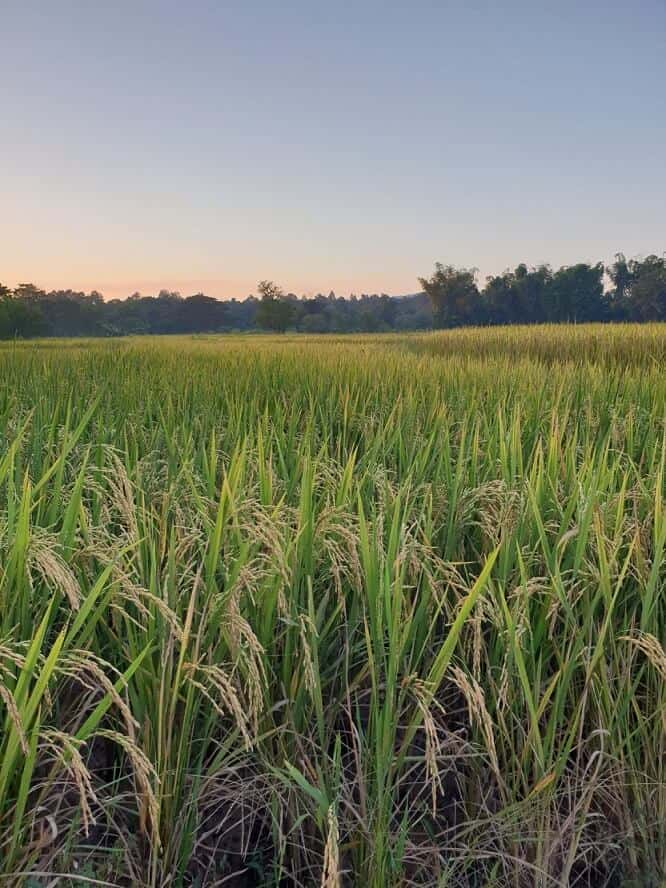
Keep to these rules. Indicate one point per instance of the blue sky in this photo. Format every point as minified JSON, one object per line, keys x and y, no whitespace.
{"x":206,"y":145}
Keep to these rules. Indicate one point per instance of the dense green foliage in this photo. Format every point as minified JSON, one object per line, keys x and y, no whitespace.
{"x":69,"y":313}
{"x":574,"y":293}
{"x":636,"y":291}
{"x":335,"y":611}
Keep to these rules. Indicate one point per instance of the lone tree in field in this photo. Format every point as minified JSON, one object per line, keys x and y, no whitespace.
{"x":453,"y":294}
{"x":275,"y":312}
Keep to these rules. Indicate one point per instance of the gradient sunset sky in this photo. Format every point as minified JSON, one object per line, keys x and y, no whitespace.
{"x":346,"y":146}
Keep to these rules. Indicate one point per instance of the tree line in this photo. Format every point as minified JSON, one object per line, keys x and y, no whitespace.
{"x":28,"y":311}
{"x":627,"y":290}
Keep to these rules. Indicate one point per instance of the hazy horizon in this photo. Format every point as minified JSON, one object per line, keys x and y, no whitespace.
{"x":152,"y":289}
{"x":205,"y":147}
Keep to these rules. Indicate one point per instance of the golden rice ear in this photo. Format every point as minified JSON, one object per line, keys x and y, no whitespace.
{"x":219,"y":690}
{"x":14,"y":716}
{"x":433,"y":747}
{"x":66,"y":750}
{"x":91,"y":672}
{"x":306,"y":629}
{"x":478,"y":713}
{"x":146,"y":779}
{"x":44,"y":558}
{"x":330,"y":877}
{"x":651,"y":647}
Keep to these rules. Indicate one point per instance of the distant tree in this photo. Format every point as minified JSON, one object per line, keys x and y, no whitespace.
{"x":367,"y":321}
{"x":499,"y":299}
{"x":639,"y":288}
{"x":199,"y":314}
{"x":454,"y":295}
{"x":275,"y":311}
{"x":29,"y":291}
{"x":412,"y":312}
{"x":19,"y":318}
{"x":169,"y":294}
{"x":389,"y":310}
{"x":531,"y":289}
{"x":622,"y":277}
{"x":315,"y":323}
{"x":647,"y":299}
{"x":576,"y":293}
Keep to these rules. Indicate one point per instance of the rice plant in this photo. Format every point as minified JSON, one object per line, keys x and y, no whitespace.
{"x":334,"y":611}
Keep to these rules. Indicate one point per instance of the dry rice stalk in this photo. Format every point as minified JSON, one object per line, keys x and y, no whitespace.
{"x":12,"y":710}
{"x":247,"y":644}
{"x":433,"y":748}
{"x":53,"y":570}
{"x":478,"y":713}
{"x":66,"y":750}
{"x":330,"y":877}
{"x":145,"y":775}
{"x":9,"y":652}
{"x":651,"y":647}
{"x":130,"y":592}
{"x":88,"y":669}
{"x":224,"y":699}
{"x":306,"y":626}
{"x":122,"y":496}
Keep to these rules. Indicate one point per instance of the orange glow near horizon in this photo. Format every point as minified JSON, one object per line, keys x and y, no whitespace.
{"x":219,"y":288}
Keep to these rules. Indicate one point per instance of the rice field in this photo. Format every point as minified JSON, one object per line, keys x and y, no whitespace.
{"x":378,"y":611}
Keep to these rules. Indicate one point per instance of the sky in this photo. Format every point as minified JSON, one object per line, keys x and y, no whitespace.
{"x":204,"y":146}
